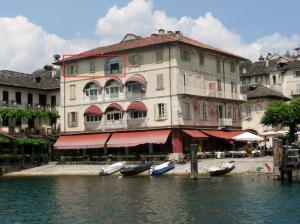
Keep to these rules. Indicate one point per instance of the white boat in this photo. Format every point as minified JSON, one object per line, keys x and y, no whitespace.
{"x":112,"y":168}
{"x":221,"y":169}
{"x":162,"y":168}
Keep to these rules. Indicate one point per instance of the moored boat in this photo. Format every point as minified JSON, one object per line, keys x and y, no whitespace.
{"x":131,"y":171}
{"x":112,"y":168}
{"x":162,"y":168}
{"x":222,"y":169}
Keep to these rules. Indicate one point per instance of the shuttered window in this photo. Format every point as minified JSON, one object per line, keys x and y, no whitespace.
{"x":201,"y":58}
{"x":185,"y":55}
{"x":232,"y":66}
{"x":218,"y":61}
{"x":159,"y":56}
{"x":72,"y":92}
{"x":159,"y":82}
{"x":160,"y":111}
{"x":72,"y":119}
{"x":134,"y":60}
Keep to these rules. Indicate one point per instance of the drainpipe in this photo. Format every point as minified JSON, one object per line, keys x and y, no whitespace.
{"x":224,"y":88}
{"x":170,"y":85}
{"x":64,"y":100}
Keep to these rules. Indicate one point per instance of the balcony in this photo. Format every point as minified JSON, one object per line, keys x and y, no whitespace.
{"x":224,"y":122}
{"x":188,"y":90}
{"x":12,"y":104}
{"x":137,"y":122}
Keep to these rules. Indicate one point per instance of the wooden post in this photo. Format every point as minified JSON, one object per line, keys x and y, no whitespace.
{"x":194,"y":161}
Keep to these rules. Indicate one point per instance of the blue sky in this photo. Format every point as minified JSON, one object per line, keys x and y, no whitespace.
{"x":252,"y":19}
{"x":256,"y":26}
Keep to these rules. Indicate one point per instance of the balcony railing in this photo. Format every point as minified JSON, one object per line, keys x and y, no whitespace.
{"x":29,"y":131}
{"x":224,"y":122}
{"x":11,"y":104}
{"x":210,"y":93}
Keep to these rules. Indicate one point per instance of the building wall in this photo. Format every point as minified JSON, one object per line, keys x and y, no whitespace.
{"x":179,"y":78}
{"x":258,"y":107}
{"x":291,"y":84}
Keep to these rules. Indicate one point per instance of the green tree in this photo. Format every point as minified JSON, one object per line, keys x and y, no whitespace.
{"x":283,"y":113}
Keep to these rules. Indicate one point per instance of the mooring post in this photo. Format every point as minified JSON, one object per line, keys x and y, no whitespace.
{"x":194,"y":161}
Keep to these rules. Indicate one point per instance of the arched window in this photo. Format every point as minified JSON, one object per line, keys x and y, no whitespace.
{"x":136,"y":86}
{"x":113,"y":88}
{"x":93,"y":114}
{"x":92,"y":91}
{"x":114,"y":112}
{"x":137,"y":109}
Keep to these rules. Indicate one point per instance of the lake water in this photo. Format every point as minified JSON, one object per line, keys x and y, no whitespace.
{"x":148,"y":200}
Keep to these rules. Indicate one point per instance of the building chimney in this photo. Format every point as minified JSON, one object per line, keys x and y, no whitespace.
{"x":161,"y":31}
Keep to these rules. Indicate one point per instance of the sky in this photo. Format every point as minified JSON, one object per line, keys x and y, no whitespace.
{"x":32,"y":31}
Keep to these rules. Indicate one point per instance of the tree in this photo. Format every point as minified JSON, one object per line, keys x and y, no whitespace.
{"x":283,"y":113}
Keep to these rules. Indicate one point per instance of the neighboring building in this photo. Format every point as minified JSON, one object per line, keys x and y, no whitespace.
{"x":174,"y":88}
{"x":258,"y":99}
{"x":38,"y":91}
{"x":274,"y":78}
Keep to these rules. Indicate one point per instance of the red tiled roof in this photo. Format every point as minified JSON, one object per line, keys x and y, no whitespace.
{"x":93,"y":110}
{"x":137,"y":105}
{"x":149,"y":41}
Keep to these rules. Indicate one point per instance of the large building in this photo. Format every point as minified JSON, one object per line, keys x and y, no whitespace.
{"x":149,"y":95}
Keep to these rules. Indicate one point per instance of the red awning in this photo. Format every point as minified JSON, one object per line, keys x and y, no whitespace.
{"x":94,"y":110}
{"x":137,"y":78}
{"x":228,"y":135}
{"x":113,"y":79}
{"x":115,"y":106}
{"x":130,"y":139}
{"x":137,"y":105}
{"x":84,"y":141}
{"x":195,"y":133}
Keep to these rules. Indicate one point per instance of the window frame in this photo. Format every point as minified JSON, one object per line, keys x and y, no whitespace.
{"x":185,"y":55}
{"x":92,"y":66}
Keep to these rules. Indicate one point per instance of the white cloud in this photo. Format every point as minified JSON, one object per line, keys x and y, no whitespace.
{"x":25,"y":46}
{"x":138,"y":17}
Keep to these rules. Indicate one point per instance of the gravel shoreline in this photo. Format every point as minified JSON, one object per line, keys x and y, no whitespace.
{"x":243,"y":166}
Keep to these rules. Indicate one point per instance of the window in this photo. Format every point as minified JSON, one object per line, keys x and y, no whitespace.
{"x":232,"y":66}
{"x":248,"y":111}
{"x":233,"y":87}
{"x":218,"y":61}
{"x":29,"y":99}
{"x":18,"y":98}
{"x":113,"y":66}
{"x":114,"y":115}
{"x":219,"y":83}
{"x":53,"y":101}
{"x":5,"y":96}
{"x":186,"y":110}
{"x":258,"y":79}
{"x":159,"y":82}
{"x":113,"y":89}
{"x":220,"y":111}
{"x":72,"y":119}
{"x":137,"y":114}
{"x":42,"y":99}
{"x":297,"y":73}
{"x":201,"y":58}
{"x":248,"y":80}
{"x":72,"y":69}
{"x":92,"y":91}
{"x":72,"y":92}
{"x":234,"y":113}
{"x":31,"y":123}
{"x":92,"y":66}
{"x":135,"y":60}
{"x":185,"y":55}
{"x":161,"y":111}
{"x":274,"y":79}
{"x":93,"y":118}
{"x":204,"y":111}
{"x":159,"y":56}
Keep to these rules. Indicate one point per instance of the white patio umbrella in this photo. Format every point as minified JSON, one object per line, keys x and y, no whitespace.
{"x":247,"y":137}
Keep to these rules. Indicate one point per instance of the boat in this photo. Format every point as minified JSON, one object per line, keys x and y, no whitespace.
{"x":131,"y":171}
{"x":162,"y":168}
{"x":222,"y":169}
{"x":108,"y":170}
